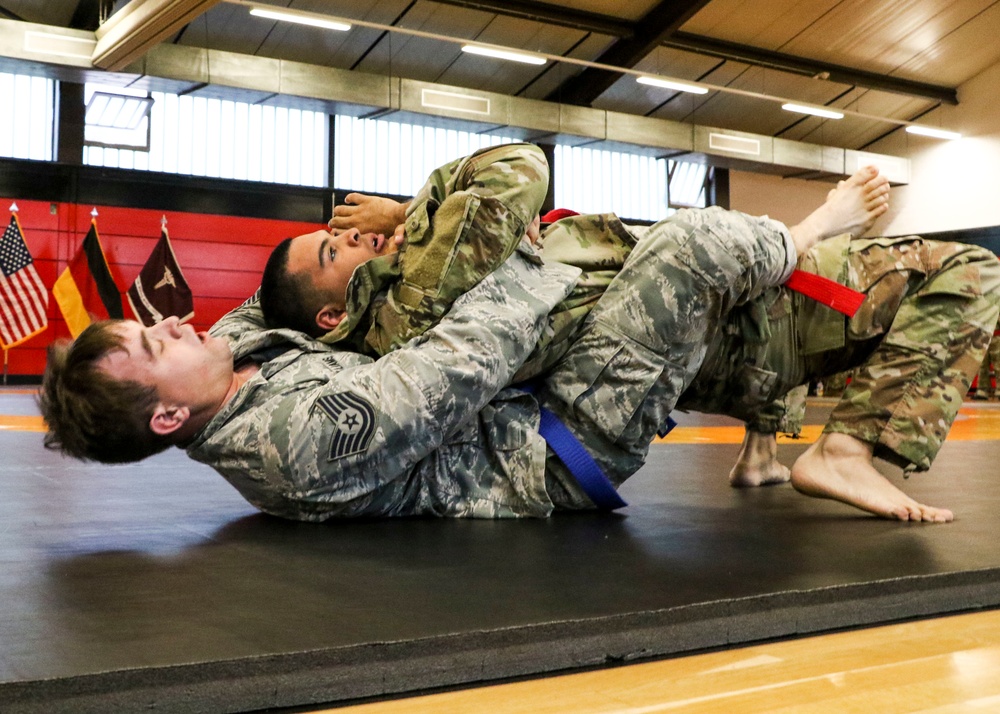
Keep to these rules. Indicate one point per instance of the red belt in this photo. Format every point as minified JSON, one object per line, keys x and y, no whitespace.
{"x":825,"y":291}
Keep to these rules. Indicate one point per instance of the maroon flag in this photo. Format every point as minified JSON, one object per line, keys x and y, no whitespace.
{"x":24,"y":300}
{"x":160,"y":290}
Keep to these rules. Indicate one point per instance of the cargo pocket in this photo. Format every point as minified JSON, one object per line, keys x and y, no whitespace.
{"x":607,"y":378}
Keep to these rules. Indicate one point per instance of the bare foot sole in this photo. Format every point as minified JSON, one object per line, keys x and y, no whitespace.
{"x":757,"y":464}
{"x":837,"y":469}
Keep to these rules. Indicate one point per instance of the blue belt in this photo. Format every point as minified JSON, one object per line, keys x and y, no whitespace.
{"x":578,"y":461}
{"x":581,"y":464}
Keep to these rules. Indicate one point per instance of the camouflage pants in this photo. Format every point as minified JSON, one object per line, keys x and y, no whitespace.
{"x":983,"y":387}
{"x":645,"y":339}
{"x":916,"y":344}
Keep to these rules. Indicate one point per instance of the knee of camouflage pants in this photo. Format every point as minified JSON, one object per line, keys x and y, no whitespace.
{"x":905,"y":396}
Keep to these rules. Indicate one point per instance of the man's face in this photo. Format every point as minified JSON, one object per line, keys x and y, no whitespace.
{"x":185,"y":367}
{"x":329,"y":260}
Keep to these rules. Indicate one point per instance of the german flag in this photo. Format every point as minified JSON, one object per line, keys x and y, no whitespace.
{"x":85,"y":290}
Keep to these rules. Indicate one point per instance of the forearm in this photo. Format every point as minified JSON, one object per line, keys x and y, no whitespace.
{"x":467,"y":220}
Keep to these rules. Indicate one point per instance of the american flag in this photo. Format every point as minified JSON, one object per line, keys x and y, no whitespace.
{"x":23,"y":298}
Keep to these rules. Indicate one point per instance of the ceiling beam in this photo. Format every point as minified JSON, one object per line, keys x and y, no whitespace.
{"x":616,"y":27}
{"x":10,"y":15}
{"x":87,"y":15}
{"x":141,"y":25}
{"x":552,"y":14}
{"x":650,"y":32}
{"x":812,"y":68}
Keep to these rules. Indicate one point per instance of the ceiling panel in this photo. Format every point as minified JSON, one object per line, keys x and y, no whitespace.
{"x":764,"y":23}
{"x":962,"y":53}
{"x":940,"y":42}
{"x":44,"y":12}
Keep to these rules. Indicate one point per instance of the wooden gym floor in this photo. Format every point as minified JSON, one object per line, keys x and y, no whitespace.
{"x":155,"y":586}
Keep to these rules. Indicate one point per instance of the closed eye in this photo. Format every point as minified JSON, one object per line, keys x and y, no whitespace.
{"x":148,"y":345}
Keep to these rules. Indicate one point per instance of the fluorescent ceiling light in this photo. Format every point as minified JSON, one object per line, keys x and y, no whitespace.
{"x":671,"y":84}
{"x":815,"y":111}
{"x":930,"y":131}
{"x":301,"y":18}
{"x":500,"y":53}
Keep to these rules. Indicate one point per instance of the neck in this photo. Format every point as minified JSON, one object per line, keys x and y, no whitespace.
{"x":241,"y":375}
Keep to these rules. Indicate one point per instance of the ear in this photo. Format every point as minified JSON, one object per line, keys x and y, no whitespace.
{"x":168,"y":419}
{"x":329,"y":317}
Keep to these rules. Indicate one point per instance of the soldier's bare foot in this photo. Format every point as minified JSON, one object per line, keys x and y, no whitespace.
{"x":757,"y":463}
{"x":852,"y":207}
{"x":840,"y":467}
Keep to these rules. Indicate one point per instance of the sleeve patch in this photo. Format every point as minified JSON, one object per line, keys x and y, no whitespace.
{"x":354,"y":423}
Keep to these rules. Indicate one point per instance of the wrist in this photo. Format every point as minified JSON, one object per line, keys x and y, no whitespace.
{"x":401,"y":211}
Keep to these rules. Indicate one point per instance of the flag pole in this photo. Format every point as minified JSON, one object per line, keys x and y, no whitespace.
{"x":13,"y":209}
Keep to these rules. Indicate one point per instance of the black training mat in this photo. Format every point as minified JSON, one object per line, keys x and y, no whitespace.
{"x":154,"y":586}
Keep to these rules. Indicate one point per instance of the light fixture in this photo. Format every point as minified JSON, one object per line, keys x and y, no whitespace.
{"x":500,"y":53}
{"x":302,"y":18}
{"x":540,"y":58}
{"x":931,"y":131}
{"x":671,"y":84}
{"x":815,"y":111}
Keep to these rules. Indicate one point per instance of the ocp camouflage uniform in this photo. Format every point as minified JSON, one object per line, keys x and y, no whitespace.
{"x":469,"y":216}
{"x":916,"y":342}
{"x":984,"y":388}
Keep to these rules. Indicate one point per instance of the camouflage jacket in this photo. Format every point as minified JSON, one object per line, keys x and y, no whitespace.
{"x":470,"y":215}
{"x":468,"y":218}
{"x":321,"y":432}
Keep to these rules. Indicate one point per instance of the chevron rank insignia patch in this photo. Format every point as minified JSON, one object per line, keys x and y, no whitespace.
{"x":354,"y":423}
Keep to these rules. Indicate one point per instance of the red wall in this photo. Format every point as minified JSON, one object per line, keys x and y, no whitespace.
{"x":222,"y":257}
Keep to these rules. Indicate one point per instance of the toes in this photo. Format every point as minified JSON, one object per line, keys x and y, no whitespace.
{"x":928,"y":514}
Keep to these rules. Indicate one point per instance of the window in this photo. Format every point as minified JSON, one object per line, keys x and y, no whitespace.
{"x":26,"y":117}
{"x":595,"y":181}
{"x":380,"y":156}
{"x":633,"y":186}
{"x":687,"y":184}
{"x":202,"y":136}
{"x":116,"y":117}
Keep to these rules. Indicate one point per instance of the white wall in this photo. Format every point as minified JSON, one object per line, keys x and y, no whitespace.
{"x":953,"y":184}
{"x":785,"y":200}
